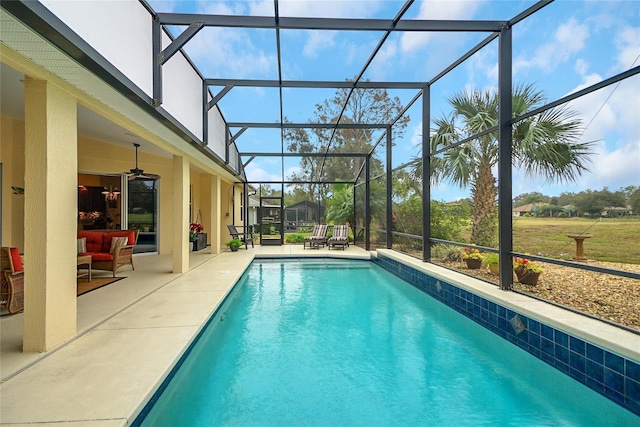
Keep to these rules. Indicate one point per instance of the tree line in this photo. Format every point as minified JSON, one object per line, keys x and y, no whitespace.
{"x":587,"y":202}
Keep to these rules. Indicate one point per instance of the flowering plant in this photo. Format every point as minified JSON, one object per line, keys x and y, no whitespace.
{"x":471,"y":254}
{"x":195,"y":227}
{"x":523,"y":265}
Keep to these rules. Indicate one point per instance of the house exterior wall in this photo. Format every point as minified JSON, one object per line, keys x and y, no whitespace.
{"x":123,"y":36}
{"x":12,"y":159}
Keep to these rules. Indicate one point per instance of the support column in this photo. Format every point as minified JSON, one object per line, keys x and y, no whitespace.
{"x":505,"y":141}
{"x":426,"y":173}
{"x":51,"y":200}
{"x":215,"y":209}
{"x":389,"y":186}
{"x":180,"y":214}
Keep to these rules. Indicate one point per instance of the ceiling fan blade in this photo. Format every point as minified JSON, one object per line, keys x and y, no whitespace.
{"x":137,"y":172}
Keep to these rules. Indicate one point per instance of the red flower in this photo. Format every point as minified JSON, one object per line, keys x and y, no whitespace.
{"x":195,"y":227}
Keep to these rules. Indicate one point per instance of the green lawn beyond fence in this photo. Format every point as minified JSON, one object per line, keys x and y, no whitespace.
{"x":614,"y":239}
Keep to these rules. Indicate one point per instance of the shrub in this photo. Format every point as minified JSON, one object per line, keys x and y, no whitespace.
{"x":294,"y":238}
{"x":491,"y":258}
{"x":445,"y":252}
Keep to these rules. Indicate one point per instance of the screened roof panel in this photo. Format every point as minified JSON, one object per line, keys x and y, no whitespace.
{"x":360,"y":46}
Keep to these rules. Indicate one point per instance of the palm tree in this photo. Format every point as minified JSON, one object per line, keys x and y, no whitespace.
{"x":545,"y":144}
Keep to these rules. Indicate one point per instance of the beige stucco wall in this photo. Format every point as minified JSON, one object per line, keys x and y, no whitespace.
{"x":12,"y":159}
{"x":201,"y":200}
{"x":50,"y":189}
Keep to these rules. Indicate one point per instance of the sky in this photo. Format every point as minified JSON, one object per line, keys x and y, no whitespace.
{"x":563,"y":48}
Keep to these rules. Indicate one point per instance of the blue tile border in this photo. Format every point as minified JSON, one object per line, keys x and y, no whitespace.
{"x":609,"y":374}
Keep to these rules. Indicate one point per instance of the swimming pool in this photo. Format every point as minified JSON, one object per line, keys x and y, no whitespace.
{"x":330,"y":342}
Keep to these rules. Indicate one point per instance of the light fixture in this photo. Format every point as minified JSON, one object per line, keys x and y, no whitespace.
{"x":111,"y":194}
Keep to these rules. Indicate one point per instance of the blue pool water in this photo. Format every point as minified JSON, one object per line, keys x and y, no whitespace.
{"x":345,"y":343}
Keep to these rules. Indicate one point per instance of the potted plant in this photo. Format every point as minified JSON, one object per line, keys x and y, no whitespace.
{"x":492,"y":261}
{"x":196,"y":236}
{"x":472,"y":257}
{"x":527,"y":271}
{"x":234,"y":244}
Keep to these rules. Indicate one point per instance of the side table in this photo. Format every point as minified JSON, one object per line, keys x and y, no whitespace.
{"x":84,"y":259}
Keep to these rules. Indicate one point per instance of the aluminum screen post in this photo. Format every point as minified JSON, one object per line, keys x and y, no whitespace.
{"x":389,"y":191}
{"x":367,"y":204}
{"x":205,"y":113}
{"x":426,"y":174}
{"x":505,"y":139}
{"x":156,"y":47}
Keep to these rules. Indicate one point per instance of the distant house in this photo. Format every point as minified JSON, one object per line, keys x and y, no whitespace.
{"x":613,"y":211}
{"x":253,"y":211}
{"x":303,"y":213}
{"x":527,"y":209}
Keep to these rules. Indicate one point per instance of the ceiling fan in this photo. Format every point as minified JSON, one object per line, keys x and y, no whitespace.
{"x":137,"y":172}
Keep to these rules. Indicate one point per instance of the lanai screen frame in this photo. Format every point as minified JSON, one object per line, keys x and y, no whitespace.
{"x":497,"y":29}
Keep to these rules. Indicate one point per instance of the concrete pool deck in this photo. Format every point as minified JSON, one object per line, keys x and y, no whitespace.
{"x":132,"y":332}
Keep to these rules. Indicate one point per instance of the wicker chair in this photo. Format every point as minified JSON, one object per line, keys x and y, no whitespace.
{"x":11,"y":282}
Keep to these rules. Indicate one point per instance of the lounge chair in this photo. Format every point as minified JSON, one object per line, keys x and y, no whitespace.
{"x":243,"y":237}
{"x":11,"y":280}
{"x":318,"y":237}
{"x":340,"y":237}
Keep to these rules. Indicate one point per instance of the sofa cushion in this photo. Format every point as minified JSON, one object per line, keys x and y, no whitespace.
{"x":82,"y":245}
{"x":107,"y":237}
{"x":15,"y":259}
{"x":118,"y":241}
{"x":100,"y":256}
{"x":94,"y":240}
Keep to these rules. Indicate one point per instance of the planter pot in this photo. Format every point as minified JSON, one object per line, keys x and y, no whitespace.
{"x":494,"y":269}
{"x":201,"y":242}
{"x":528,"y":278}
{"x":473,"y":264}
{"x":233,"y":248}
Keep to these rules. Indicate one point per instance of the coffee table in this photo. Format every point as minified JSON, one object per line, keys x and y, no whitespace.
{"x":82,"y":260}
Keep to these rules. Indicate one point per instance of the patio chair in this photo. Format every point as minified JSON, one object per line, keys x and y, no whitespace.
{"x":11,"y":280}
{"x":340,"y":237}
{"x":318,"y":237}
{"x":243,"y":237}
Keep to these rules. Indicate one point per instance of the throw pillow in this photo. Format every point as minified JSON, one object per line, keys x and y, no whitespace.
{"x":82,"y":245}
{"x":15,"y":259}
{"x":118,"y":241}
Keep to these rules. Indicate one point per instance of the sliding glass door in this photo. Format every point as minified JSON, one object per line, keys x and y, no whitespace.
{"x":142,"y":213}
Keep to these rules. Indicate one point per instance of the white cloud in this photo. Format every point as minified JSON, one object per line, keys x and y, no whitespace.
{"x":568,"y":39}
{"x":317,"y":41}
{"x":628,"y":41}
{"x":379,"y":68}
{"x":615,"y":169}
{"x":329,"y":9}
{"x":581,"y":66}
{"x":437,"y":10}
{"x":261,"y":8}
{"x":230,"y":52}
{"x":263,"y":170}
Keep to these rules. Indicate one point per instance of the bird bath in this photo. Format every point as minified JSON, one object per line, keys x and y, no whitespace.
{"x":579,"y":238}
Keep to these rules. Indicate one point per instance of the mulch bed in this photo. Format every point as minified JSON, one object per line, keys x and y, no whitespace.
{"x":613,"y":298}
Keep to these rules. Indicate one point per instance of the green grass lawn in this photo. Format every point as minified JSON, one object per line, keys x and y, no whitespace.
{"x":614,"y":239}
